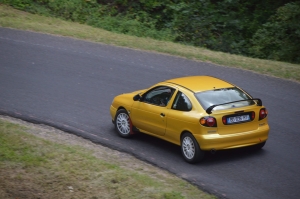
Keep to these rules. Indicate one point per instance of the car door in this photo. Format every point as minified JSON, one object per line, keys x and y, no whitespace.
{"x":181,"y":117}
{"x":149,"y":114}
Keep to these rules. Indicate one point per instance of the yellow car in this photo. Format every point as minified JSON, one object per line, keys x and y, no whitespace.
{"x":198,"y":113}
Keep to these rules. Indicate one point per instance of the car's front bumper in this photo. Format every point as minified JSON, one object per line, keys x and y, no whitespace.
{"x":219,"y":142}
{"x":113,"y":112}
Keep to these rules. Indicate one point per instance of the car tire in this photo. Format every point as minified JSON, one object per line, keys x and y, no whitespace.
{"x":190,"y":149}
{"x":123,"y":123}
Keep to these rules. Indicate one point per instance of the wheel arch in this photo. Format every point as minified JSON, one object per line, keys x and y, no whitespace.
{"x":121,"y":107}
{"x":188,"y":131}
{"x":183,"y":132}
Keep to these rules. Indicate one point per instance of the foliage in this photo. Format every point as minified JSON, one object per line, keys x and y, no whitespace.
{"x":132,"y":25}
{"x":279,"y":38}
{"x":233,"y":26}
{"x":222,"y":25}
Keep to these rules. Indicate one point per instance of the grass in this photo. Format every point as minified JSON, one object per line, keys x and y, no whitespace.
{"x":35,"y":166}
{"x":13,"y":18}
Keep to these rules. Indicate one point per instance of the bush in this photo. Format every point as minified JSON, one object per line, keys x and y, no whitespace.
{"x":137,"y":23}
{"x":279,"y":38}
{"x":127,"y":25}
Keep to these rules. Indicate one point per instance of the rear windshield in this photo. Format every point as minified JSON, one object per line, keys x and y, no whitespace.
{"x":221,"y":96}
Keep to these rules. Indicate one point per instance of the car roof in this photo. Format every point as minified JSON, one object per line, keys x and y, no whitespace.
{"x":200,"y":83}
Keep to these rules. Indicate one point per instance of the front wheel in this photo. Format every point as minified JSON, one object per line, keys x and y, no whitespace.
{"x":122,"y":123}
{"x":190,"y":149}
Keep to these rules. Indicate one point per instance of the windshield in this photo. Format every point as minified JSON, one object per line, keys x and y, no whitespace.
{"x":221,"y":96}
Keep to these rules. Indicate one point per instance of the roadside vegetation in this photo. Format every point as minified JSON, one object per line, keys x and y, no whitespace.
{"x":262,"y":29}
{"x":12,"y":18}
{"x":41,"y":162}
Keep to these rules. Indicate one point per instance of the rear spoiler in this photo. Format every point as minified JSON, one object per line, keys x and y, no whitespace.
{"x":209,"y":109}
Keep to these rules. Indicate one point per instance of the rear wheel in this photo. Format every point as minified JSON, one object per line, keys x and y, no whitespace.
{"x":190,"y":149}
{"x":122,"y":123}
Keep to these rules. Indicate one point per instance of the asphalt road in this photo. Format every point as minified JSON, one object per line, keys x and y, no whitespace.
{"x":69,"y":84}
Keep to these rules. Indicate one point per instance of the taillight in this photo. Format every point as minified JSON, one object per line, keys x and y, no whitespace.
{"x":208,"y":121}
{"x":263,"y":113}
{"x":224,"y":120}
{"x":252,"y":115}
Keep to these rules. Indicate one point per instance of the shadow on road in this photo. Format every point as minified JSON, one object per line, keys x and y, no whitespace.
{"x":173,"y":153}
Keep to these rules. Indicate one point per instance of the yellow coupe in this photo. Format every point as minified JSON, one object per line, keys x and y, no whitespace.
{"x":198,"y":113}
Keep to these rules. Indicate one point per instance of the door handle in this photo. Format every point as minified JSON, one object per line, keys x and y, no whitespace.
{"x":162,"y":114}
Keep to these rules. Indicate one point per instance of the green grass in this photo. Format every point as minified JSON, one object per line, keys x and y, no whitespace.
{"x":13,"y":18}
{"x":33,"y":166}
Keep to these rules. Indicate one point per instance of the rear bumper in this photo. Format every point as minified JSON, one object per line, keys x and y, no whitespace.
{"x":219,"y":142}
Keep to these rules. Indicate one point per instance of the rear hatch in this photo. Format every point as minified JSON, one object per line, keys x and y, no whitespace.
{"x":234,"y":110}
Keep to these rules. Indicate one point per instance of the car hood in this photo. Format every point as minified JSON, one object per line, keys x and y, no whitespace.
{"x":135,"y":92}
{"x":125,"y":99}
{"x":130,"y":95}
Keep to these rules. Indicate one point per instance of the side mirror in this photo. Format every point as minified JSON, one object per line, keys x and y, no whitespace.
{"x":137,"y":97}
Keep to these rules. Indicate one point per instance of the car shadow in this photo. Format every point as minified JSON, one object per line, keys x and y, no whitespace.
{"x":172,"y":152}
{"x":233,"y":155}
{"x":160,"y":144}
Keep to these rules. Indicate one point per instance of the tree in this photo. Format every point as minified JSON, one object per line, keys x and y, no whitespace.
{"x":279,"y":38}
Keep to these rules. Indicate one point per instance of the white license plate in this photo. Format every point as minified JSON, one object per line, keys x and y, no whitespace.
{"x":237,"y":119}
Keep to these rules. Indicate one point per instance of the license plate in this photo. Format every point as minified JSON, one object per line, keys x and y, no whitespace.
{"x":236,"y":119}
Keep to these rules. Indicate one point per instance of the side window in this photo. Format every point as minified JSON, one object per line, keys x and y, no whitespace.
{"x":181,"y":102}
{"x":159,"y":96}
